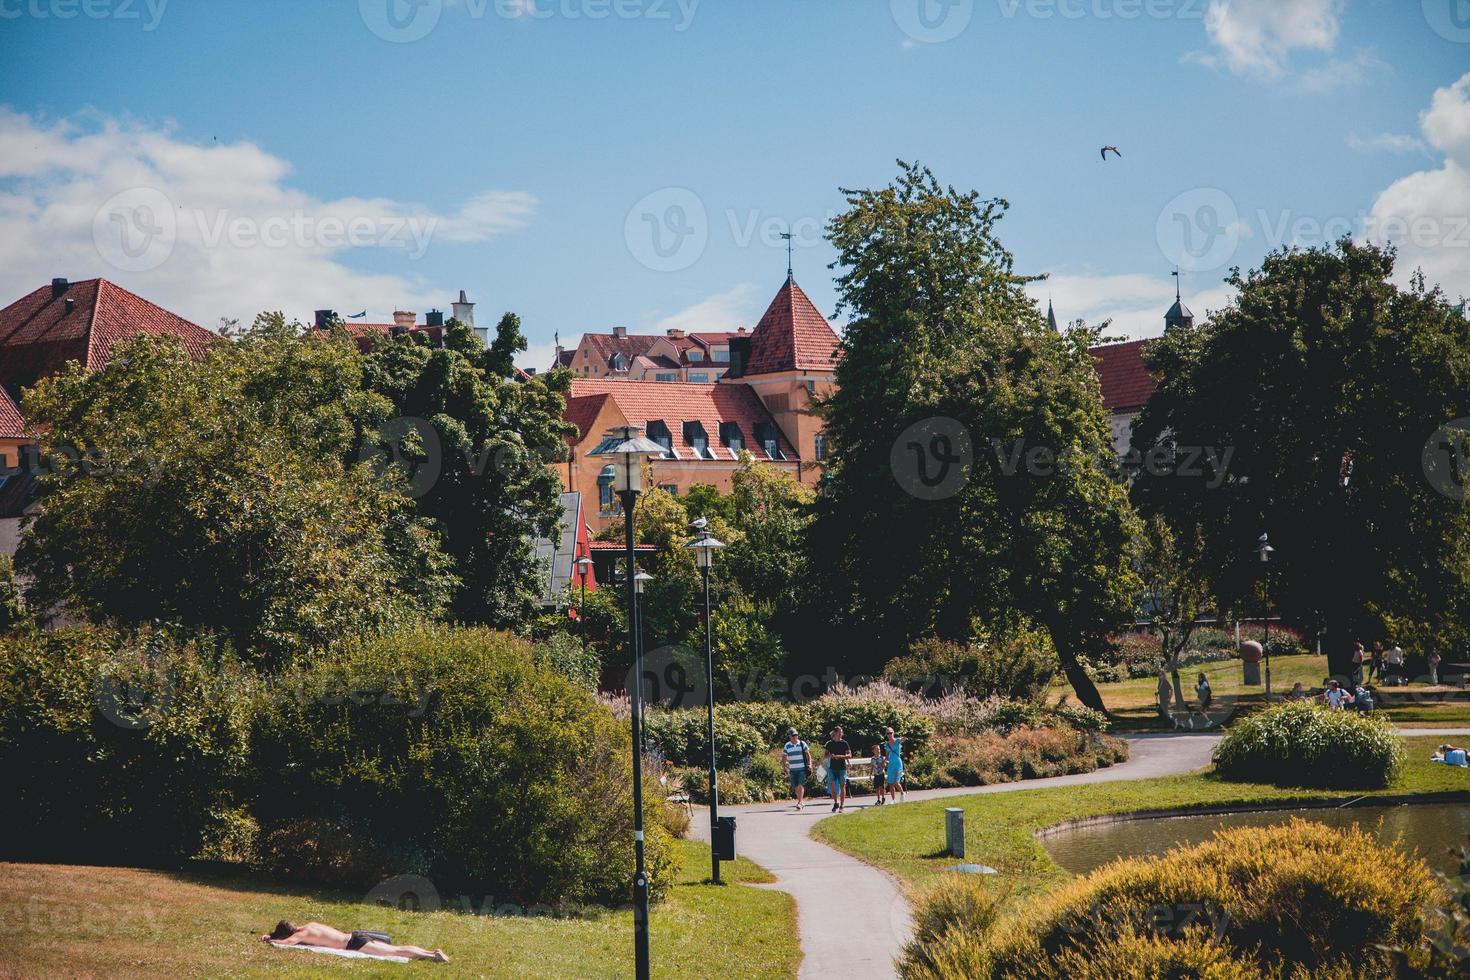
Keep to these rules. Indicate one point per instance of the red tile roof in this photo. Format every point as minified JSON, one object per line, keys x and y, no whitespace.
{"x":595,"y":545}
{"x":792,"y":336}
{"x":12,"y":423}
{"x":677,"y":402}
{"x":582,"y":411}
{"x":39,"y":333}
{"x":1126,"y":383}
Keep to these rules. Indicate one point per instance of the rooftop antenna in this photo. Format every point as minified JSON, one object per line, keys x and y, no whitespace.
{"x":790,"y":275}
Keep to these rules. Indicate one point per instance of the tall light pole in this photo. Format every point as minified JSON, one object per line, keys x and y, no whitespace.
{"x":584,"y":564}
{"x":640,"y":582}
{"x":1264,"y":551}
{"x":704,"y":547}
{"x":628,"y":448}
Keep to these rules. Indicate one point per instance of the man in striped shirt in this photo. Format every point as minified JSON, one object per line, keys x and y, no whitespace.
{"x":797,"y":756}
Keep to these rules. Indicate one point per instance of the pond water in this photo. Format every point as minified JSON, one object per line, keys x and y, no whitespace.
{"x":1428,"y":829}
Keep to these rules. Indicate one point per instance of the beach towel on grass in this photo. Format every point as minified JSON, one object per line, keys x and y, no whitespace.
{"x":351,"y":954}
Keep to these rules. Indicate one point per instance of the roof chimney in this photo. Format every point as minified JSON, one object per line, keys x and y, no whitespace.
{"x":403,"y":318}
{"x":620,"y":331}
{"x":71,"y":304}
{"x":675,"y":333}
{"x":464,"y":311}
{"x":739,"y":357}
{"x":59,"y":285}
{"x":434,"y":318}
{"x":324,"y":319}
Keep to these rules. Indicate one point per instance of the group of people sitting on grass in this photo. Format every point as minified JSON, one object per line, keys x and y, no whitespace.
{"x":887,"y":762}
{"x":1334,"y":695}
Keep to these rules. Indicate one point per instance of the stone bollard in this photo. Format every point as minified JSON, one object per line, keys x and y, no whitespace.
{"x":954,"y":831}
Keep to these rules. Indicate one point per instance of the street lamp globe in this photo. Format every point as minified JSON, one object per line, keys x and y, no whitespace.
{"x":640,"y":580}
{"x":704,"y":548}
{"x":1263,"y":547}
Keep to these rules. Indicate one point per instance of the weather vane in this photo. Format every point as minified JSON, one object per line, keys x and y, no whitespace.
{"x":789,"y":273}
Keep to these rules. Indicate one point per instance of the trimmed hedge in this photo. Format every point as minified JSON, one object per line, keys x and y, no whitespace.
{"x":1302,"y":743}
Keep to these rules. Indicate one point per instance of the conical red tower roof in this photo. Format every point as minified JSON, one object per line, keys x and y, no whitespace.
{"x":792,"y":336}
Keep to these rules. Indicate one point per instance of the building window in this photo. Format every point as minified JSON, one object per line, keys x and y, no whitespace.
{"x":720,"y":355}
{"x":696,"y":355}
{"x":659,"y":432}
{"x":819,"y":446}
{"x":697,"y":439}
{"x":702,"y":378}
{"x":811,"y":387}
{"x":731,"y":437}
{"x":607,"y":503}
{"x":669,"y":488}
{"x":769,"y":440}
{"x":665,"y":376}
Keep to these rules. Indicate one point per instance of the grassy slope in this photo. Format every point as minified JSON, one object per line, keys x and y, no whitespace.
{"x":1132,"y":701}
{"x":907,"y":840}
{"x":120,"y":922}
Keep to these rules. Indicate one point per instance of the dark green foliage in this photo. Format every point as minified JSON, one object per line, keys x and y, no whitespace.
{"x":1306,"y":744}
{"x":447,"y":753}
{"x":1018,"y":665}
{"x":563,"y":655}
{"x":1327,"y":383}
{"x":682,"y":738}
{"x":941,"y":328}
{"x":117,"y":749}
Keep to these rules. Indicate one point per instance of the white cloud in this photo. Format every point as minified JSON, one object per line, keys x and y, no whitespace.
{"x":1258,"y":38}
{"x":1388,"y":143}
{"x":213,"y":230}
{"x":1427,"y":214}
{"x":738,"y":307}
{"x":1135,"y":303}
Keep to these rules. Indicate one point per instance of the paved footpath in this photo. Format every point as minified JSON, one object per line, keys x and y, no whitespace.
{"x":825,"y":882}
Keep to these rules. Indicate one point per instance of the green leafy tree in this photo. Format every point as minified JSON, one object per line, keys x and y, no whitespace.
{"x":1325,"y":383}
{"x":1175,"y":591}
{"x":772,"y":512}
{"x":12,"y":608}
{"x":477,"y":445}
{"x":224,"y":494}
{"x":941,"y":329}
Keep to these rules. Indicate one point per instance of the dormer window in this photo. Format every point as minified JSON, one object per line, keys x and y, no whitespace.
{"x":696,"y":355}
{"x":731,"y":437}
{"x":720,"y":355}
{"x":769,"y":440}
{"x":618,"y":362}
{"x":659,"y":432}
{"x":698,"y":440}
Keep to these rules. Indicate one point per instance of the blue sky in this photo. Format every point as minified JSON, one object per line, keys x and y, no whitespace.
{"x":531,"y":147}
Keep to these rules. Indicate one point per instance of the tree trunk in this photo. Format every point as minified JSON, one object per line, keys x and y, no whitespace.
{"x":1087,"y":691}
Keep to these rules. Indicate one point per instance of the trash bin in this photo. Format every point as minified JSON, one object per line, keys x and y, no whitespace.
{"x":724,"y":843}
{"x":954,"y":831}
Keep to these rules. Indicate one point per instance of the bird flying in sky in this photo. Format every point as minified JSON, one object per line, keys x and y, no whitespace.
{"x":1105,"y":150}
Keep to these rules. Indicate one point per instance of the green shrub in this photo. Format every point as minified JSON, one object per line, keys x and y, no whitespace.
{"x":766,"y":778}
{"x":1248,"y":888}
{"x":448,"y":753}
{"x":1019,"y":664}
{"x":1026,"y":753}
{"x":1302,"y":743}
{"x":117,"y":747}
{"x":682,"y":738}
{"x":563,"y":654}
{"x":863,"y":715}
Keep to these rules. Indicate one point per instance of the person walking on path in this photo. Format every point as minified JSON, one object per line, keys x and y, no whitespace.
{"x":797,"y":757}
{"x":1206,"y":697}
{"x":836,"y":753}
{"x":1357,"y":664}
{"x":879,"y":766}
{"x":1434,"y":668}
{"x":1375,"y":665}
{"x":894,"y":777}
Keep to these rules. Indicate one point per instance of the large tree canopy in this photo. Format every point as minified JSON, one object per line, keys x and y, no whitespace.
{"x":947,"y":363}
{"x":481,"y":443}
{"x":225,"y":494}
{"x":1327,"y":385}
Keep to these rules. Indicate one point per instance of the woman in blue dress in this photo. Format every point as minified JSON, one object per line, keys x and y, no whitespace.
{"x":894,"y":745}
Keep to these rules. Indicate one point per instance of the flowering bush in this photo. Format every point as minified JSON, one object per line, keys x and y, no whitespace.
{"x":1301,"y":743}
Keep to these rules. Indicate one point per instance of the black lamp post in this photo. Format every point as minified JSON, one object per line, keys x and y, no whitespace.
{"x":584,"y":565}
{"x":704,"y":548}
{"x":628,"y":448}
{"x":1264,"y":551}
{"x":640,"y":581}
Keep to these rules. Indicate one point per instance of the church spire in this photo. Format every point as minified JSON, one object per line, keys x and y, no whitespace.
{"x":1178,"y":315}
{"x":1051,"y":316}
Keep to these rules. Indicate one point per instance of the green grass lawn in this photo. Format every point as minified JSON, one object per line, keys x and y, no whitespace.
{"x":1132,"y":702}
{"x":61,"y":920}
{"x":908,"y":840}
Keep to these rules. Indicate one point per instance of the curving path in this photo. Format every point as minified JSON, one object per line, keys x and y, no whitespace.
{"x":823,"y":880}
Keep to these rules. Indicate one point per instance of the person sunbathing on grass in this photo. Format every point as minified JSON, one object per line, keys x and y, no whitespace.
{"x":371,"y":943}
